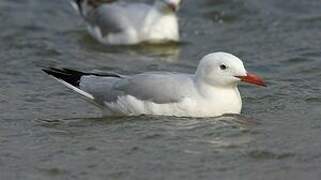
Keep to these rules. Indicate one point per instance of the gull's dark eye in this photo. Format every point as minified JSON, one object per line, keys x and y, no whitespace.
{"x":223,"y":67}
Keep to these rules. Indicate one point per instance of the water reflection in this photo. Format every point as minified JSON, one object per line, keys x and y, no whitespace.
{"x":223,"y":132}
{"x":168,"y":52}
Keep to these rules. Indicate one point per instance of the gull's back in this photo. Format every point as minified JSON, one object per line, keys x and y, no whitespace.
{"x":153,"y":87}
{"x":118,"y":17}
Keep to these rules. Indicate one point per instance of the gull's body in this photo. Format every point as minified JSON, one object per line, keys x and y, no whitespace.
{"x":209,"y":92}
{"x":120,"y":23}
{"x":159,"y":93}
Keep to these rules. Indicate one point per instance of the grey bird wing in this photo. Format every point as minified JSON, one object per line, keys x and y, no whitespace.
{"x":155,"y":87}
{"x":116,"y":17}
{"x":100,"y":87}
{"x":108,"y":19}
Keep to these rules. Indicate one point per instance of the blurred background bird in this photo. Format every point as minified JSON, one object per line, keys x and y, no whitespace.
{"x":121,"y":23}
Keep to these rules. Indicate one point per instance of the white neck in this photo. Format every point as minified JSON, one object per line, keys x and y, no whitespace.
{"x":228,"y":98}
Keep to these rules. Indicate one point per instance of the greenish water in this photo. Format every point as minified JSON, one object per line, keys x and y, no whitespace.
{"x":48,"y":132}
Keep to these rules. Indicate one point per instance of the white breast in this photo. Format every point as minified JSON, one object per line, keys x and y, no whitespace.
{"x":188,"y":107}
{"x":160,"y":27}
{"x":129,"y":105}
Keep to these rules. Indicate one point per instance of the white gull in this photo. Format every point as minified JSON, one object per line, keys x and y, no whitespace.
{"x":120,"y":23}
{"x":211,"y":91}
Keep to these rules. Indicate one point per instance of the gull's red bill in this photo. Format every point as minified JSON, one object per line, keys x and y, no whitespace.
{"x":252,"y":79}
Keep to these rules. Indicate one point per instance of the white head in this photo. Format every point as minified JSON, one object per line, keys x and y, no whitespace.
{"x":168,"y":6}
{"x":222,"y":69}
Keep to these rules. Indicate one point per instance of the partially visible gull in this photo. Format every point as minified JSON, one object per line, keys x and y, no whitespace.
{"x":211,"y":91}
{"x":120,"y":23}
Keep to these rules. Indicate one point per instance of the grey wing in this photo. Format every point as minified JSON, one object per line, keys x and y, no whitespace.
{"x":117,"y":17}
{"x":101,"y":87}
{"x":136,"y":13}
{"x":159,"y":88}
{"x":155,"y":87}
{"x":109,"y":19}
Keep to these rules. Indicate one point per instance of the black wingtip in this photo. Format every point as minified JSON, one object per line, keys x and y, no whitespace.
{"x":70,"y":76}
{"x":46,"y":71}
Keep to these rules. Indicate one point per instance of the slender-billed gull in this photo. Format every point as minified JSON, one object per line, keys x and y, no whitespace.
{"x":210,"y":91}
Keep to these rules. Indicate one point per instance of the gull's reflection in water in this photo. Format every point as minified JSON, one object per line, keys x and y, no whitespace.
{"x":175,"y":122}
{"x":220,"y":133}
{"x":227,"y":131}
{"x":166,"y":52}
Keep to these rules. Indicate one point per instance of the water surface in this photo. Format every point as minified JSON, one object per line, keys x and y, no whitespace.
{"x":48,"y":132}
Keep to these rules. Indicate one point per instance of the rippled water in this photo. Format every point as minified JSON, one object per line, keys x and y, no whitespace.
{"x":47,"y":132}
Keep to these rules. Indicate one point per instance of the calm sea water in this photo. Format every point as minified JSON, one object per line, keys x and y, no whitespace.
{"x":48,"y":132}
